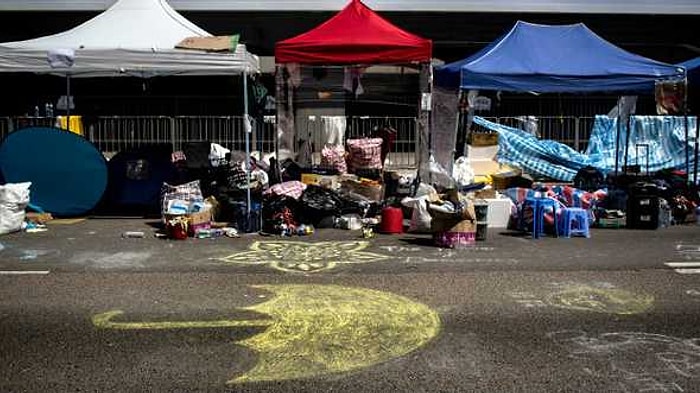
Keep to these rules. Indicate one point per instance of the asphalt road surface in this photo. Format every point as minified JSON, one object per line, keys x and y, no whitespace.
{"x":83,"y":309}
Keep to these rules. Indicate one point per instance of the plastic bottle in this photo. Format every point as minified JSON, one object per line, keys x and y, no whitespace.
{"x":217,"y":232}
{"x":203,"y":234}
{"x":133,"y":234}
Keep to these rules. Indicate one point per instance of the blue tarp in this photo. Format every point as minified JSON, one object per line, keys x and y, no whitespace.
{"x":554,"y":59}
{"x":655,"y":143}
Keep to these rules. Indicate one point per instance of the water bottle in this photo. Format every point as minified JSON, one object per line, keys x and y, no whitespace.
{"x":133,"y":234}
{"x":50,"y":112}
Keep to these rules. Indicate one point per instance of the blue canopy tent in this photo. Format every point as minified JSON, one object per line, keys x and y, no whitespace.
{"x":555,"y":59}
{"x":692,"y":69}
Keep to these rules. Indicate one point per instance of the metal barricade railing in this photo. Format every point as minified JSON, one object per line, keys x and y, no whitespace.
{"x":570,"y":130}
{"x":9,"y":124}
{"x":112,"y":134}
{"x":115,"y":133}
{"x":404,"y":152}
{"x":228,"y":131}
{"x":322,"y":130}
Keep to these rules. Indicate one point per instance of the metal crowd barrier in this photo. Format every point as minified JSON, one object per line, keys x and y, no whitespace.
{"x":319,"y":131}
{"x":112,"y":134}
{"x":569,"y":130}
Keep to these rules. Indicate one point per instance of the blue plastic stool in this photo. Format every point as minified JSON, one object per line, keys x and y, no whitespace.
{"x":574,"y":221}
{"x":538,"y":206}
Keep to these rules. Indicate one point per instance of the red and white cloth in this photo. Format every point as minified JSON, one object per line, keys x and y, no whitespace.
{"x":292,"y":189}
{"x":365,"y":153}
{"x":333,"y":156}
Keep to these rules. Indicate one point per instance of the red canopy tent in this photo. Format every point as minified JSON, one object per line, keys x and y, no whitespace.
{"x":355,"y":35}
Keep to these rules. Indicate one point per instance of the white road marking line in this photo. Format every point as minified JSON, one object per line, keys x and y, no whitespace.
{"x":687,"y":271}
{"x":682,"y":264}
{"x":22,"y":272}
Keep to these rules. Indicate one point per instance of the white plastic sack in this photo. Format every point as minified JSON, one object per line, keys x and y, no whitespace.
{"x":420,"y":217}
{"x":437,"y":176}
{"x":462,"y":172}
{"x":217,"y":153}
{"x":14,"y":198}
{"x":425,"y":189}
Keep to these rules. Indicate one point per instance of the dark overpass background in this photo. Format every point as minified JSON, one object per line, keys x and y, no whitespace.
{"x":668,"y":38}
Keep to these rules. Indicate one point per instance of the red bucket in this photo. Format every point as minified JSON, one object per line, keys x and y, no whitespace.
{"x":392,"y":220}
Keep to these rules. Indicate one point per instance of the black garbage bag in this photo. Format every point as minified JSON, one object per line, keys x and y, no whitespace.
{"x":589,"y":178}
{"x":278,"y":211}
{"x":318,"y":202}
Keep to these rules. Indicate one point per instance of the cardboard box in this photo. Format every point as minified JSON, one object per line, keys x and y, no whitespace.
{"x":452,"y":225}
{"x":195,"y":221}
{"x":374,"y":192}
{"x":225,"y":43}
{"x":484,"y":139}
{"x":327,"y":181}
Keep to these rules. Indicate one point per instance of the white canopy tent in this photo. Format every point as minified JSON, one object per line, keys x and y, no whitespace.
{"x":135,"y":38}
{"x":130,"y":38}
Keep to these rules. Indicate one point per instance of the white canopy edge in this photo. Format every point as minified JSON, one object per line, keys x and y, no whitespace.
{"x":130,"y":38}
{"x":132,"y":62}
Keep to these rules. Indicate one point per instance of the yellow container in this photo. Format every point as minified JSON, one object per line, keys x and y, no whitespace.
{"x":76,"y":123}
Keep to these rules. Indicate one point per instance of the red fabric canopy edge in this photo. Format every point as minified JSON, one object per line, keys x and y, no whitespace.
{"x":355,"y":35}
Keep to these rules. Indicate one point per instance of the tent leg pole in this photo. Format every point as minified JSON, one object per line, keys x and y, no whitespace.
{"x":697,"y":147}
{"x":68,"y":102}
{"x":246,"y":130}
{"x":687,"y":149}
{"x":617,"y":137}
{"x":627,"y":143}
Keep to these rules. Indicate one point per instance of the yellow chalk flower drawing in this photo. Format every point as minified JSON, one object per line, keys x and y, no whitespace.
{"x":316,"y":330}
{"x":603,"y":300}
{"x":293,"y":256}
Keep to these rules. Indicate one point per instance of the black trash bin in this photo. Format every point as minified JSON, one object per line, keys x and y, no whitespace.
{"x":481,"y":210}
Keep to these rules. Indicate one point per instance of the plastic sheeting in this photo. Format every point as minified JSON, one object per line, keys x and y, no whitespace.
{"x":444,"y":127}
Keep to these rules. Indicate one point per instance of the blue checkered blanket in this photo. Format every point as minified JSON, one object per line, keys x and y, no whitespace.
{"x":663,"y":137}
{"x":655,"y":142}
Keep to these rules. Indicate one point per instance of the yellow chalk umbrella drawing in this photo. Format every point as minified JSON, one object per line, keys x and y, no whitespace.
{"x":319,"y":329}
